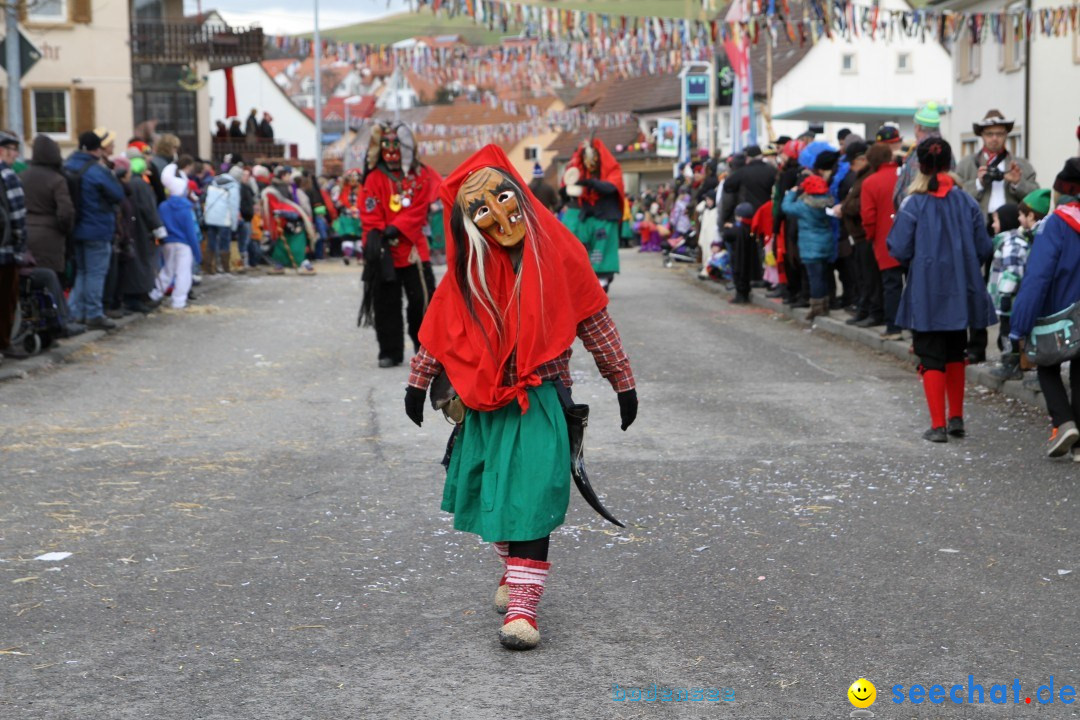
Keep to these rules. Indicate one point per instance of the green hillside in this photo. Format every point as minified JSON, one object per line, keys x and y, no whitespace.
{"x":399,"y":27}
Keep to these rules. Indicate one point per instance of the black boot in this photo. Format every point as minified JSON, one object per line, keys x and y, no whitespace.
{"x":1010,"y":367}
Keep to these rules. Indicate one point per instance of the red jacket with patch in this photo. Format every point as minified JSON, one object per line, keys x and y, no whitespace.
{"x":377,"y":210}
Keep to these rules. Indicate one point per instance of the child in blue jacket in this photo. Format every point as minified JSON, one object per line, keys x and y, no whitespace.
{"x":180,"y":247}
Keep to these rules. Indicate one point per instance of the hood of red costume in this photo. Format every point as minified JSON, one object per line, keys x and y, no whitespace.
{"x":558,"y":290}
{"x":610,"y":171}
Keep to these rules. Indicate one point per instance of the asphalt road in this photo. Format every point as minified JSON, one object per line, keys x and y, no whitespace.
{"x":255,"y":529}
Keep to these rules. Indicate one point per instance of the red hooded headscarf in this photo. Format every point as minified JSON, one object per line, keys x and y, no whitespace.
{"x":558,"y":290}
{"x":610,"y":171}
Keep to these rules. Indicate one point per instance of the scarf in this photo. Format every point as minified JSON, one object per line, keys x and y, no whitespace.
{"x":941,"y":184}
{"x":558,"y":290}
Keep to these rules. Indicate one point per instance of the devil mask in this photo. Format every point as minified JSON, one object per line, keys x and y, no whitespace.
{"x":492,"y":202}
{"x":390,"y":149}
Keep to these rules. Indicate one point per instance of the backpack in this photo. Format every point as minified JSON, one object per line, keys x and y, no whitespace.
{"x":74,"y":181}
{"x":247,"y":203}
{"x":215,"y":194}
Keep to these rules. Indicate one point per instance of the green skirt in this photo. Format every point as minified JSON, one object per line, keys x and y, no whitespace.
{"x":509,"y":474}
{"x":600,"y":237}
{"x":347,"y":225}
{"x":298,"y":246}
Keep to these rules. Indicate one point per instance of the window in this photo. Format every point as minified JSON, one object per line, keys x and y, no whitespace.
{"x":47,"y":11}
{"x":51,"y":111}
{"x":903,"y":62}
{"x":532,"y":152}
{"x":968,"y":59}
{"x":847,"y":63}
{"x":1011,"y":52}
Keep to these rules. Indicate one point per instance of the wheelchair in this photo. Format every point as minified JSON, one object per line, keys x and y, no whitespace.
{"x":37,"y":318}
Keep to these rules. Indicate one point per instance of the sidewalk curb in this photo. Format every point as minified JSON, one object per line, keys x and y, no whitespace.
{"x":12,"y":369}
{"x":976,"y":374}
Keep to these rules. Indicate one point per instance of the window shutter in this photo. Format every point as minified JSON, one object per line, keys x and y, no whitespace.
{"x":84,"y":111}
{"x":81,"y":11}
{"x":27,"y":114}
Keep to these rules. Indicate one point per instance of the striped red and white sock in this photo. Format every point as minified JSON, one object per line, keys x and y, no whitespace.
{"x":502,"y":549}
{"x":526,"y":579}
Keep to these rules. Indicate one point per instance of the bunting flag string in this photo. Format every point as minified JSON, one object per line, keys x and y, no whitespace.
{"x":560,"y":47}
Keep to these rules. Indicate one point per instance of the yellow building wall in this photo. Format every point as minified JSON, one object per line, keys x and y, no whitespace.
{"x":83,"y":56}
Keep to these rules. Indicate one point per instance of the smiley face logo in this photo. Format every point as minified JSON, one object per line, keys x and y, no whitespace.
{"x":862,"y":693}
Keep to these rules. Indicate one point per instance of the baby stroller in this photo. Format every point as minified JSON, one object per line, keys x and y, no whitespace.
{"x":681,"y":249}
{"x":37,"y":318}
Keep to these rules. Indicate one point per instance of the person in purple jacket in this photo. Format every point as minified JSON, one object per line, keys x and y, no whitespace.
{"x":940,"y":235}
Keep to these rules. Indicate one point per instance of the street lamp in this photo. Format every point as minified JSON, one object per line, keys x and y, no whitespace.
{"x":317,"y":57}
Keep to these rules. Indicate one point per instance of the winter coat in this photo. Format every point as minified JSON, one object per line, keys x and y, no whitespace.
{"x":1052,"y":277}
{"x":752,"y":183}
{"x":943,"y":241}
{"x":968,"y":171}
{"x":877,"y":212}
{"x":222,"y":207}
{"x":141,"y":269}
{"x":850,"y":210}
{"x":50,"y":214}
{"x":816,"y":240}
{"x":180,"y":224}
{"x":100,"y":193}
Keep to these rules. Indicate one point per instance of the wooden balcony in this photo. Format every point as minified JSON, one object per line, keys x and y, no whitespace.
{"x":173,"y":43}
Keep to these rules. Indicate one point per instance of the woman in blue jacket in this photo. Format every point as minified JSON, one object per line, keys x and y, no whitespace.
{"x":940,"y":234}
{"x":1051,"y":284}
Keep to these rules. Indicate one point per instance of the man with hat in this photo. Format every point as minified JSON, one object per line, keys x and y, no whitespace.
{"x":97,"y":194}
{"x":752,"y":183}
{"x":993,"y":176}
{"x":13,"y":243}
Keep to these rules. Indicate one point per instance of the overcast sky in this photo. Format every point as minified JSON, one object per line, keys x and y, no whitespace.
{"x":281,"y":17}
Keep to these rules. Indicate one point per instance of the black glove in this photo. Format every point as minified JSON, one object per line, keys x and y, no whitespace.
{"x":627,"y":407}
{"x":414,"y":404}
{"x":391,"y":233}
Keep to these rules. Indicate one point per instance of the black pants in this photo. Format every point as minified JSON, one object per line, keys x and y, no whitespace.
{"x":892,"y":285}
{"x":935,"y":350}
{"x":849,"y":281}
{"x":871,"y":299}
{"x":389,"y":327}
{"x":744,"y":258}
{"x":1057,"y":401}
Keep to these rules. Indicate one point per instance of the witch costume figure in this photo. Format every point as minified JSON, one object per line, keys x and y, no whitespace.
{"x":593,"y":183}
{"x":397,"y":192}
{"x":518,"y":290}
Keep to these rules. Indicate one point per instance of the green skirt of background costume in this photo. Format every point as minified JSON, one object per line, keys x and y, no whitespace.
{"x":600,"y":238}
{"x":509,"y":474}
{"x":347,"y":226}
{"x":298,"y":246}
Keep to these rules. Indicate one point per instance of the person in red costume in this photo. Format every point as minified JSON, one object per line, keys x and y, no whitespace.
{"x":397,"y":192}
{"x":518,"y":290}
{"x":593,"y":183}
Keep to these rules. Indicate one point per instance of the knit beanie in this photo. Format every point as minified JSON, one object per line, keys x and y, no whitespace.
{"x":826,"y":160}
{"x":538,"y":172}
{"x":815,"y":185}
{"x":1067,"y":181}
{"x":744,"y":210}
{"x":1039,"y":201}
{"x":928,"y":116}
{"x":177,"y":186}
{"x":888,"y":134}
{"x":138,"y":165}
{"x":854,"y":150}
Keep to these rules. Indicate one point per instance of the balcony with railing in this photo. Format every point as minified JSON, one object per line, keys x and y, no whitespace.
{"x":179,"y":42}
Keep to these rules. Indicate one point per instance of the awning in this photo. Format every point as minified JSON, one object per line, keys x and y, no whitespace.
{"x":849,"y":113}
